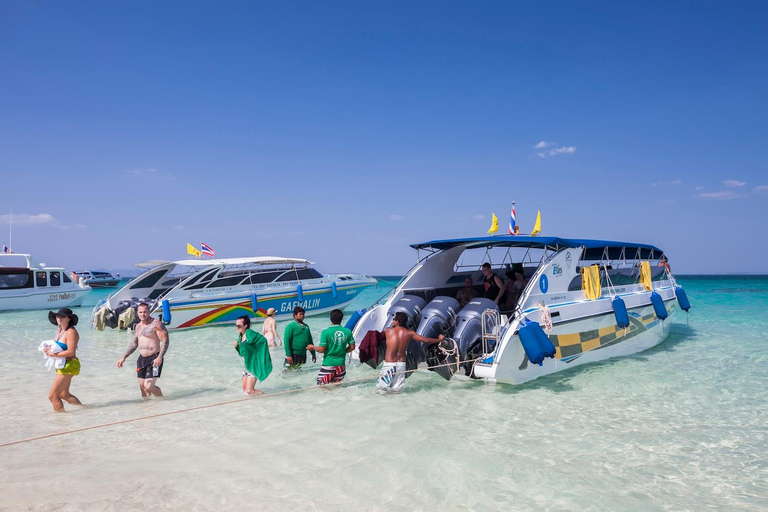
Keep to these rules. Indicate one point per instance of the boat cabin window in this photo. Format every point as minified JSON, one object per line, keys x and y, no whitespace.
{"x":149,"y":281}
{"x":41,"y":279}
{"x":309,"y":273}
{"x":202,"y":277}
{"x":262,"y":277}
{"x":55,"y":278}
{"x":288,"y":276}
{"x":67,"y":279}
{"x":226,"y":281}
{"x":619,"y":277}
{"x":21,"y":278}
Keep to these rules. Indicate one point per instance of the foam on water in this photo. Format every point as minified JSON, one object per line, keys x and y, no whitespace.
{"x":680,"y":426}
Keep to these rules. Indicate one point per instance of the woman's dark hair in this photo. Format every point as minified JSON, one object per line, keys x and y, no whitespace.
{"x":246,"y":321}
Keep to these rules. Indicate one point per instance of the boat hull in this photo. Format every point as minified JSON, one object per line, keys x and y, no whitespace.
{"x":205,"y":311}
{"x":44,"y":299}
{"x":579,"y":342}
{"x":103,"y":284}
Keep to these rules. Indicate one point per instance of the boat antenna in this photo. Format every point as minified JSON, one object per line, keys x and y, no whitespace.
{"x":10,"y":230}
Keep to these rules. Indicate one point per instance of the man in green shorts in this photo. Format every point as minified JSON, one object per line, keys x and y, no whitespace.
{"x":297,"y":340}
{"x":335,"y":343}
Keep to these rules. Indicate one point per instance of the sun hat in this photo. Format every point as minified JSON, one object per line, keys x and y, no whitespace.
{"x":62,"y":313}
{"x":271,"y":311}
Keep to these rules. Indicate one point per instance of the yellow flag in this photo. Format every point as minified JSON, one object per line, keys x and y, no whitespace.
{"x":494,"y":225}
{"x":191,"y":249}
{"x":537,"y":227}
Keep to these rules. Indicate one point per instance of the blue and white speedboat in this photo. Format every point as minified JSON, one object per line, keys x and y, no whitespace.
{"x":26,"y":284}
{"x":582,"y":301}
{"x":202,"y":292}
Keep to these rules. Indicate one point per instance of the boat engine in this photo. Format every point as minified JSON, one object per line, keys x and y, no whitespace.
{"x":411,"y":305}
{"x":437,"y":317}
{"x":469,"y":329}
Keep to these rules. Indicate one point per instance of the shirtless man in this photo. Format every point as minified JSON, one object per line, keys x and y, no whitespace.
{"x":152,"y":341}
{"x":392,"y":376}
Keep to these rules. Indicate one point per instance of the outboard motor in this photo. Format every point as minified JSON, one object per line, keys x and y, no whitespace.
{"x":437,"y":317}
{"x":411,"y":305}
{"x":469,"y":329}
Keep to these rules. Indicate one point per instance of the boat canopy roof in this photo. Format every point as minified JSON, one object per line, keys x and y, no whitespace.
{"x":220,"y":262}
{"x":528,"y":241}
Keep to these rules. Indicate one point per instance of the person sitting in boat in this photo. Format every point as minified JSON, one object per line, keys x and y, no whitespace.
{"x":466,"y":294}
{"x":515,"y":287}
{"x":494,"y":285}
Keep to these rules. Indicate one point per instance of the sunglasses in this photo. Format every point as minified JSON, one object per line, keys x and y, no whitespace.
{"x":239,"y":325}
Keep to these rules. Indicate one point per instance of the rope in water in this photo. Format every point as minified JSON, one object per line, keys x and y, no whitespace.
{"x":717,"y":307}
{"x":207,"y":406}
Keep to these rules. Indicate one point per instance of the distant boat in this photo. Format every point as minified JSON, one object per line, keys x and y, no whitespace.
{"x":203,"y":292}
{"x":25,"y":284}
{"x":96,"y":279}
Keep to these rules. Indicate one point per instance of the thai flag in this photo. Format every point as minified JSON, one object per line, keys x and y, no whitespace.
{"x":206,"y":249}
{"x":512,"y":219}
{"x":6,"y":250}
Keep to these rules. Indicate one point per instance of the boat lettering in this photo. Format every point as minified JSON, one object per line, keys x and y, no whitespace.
{"x":287,"y":307}
{"x":351,"y":292}
{"x":556,"y":298}
{"x":557,"y":270}
{"x":60,"y":296}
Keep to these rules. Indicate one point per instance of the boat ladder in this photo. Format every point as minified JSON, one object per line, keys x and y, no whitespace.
{"x":491,"y":329}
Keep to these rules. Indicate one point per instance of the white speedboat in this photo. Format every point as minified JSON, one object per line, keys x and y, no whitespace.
{"x":25,"y":284}
{"x":98,"y":279}
{"x":197,"y":293}
{"x":583,"y":301}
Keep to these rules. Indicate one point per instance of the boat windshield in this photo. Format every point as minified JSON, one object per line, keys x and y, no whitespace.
{"x":220,"y":277}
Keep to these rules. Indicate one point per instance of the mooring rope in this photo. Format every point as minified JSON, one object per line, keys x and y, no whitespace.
{"x":208,"y":406}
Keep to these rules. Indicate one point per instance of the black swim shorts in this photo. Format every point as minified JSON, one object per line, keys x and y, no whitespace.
{"x":146,"y":370}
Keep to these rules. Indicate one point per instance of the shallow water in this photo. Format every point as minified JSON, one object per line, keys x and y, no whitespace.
{"x":682,"y":426}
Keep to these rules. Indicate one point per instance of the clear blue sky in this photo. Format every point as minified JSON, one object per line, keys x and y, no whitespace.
{"x":343,"y":131}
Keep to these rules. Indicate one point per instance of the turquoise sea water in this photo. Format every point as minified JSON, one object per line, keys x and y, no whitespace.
{"x":683,"y":426}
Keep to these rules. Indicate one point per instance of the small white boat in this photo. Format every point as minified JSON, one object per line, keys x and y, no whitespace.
{"x":97,"y":279}
{"x":583,"y":301}
{"x":197,"y":293}
{"x":25,"y":284}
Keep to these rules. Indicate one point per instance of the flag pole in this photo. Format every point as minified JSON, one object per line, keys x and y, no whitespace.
{"x":10,"y":230}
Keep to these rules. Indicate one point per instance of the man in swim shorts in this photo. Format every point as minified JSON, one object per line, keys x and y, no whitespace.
{"x":297,"y":339}
{"x":335,"y":343}
{"x":152,"y":341}
{"x":392,"y":375}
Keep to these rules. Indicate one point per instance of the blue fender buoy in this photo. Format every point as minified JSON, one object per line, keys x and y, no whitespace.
{"x":166,"y":312}
{"x":334,"y":291}
{"x":658,"y":306}
{"x":620,"y":312}
{"x":356,"y":316}
{"x":535,"y":342}
{"x":682,"y":299}
{"x":300,"y":293}
{"x":254,"y":303}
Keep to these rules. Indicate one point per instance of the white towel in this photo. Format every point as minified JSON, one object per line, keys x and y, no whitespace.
{"x":52,"y":362}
